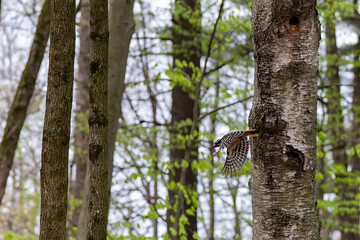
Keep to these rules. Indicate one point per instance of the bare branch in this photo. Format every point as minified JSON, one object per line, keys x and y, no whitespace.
{"x":222,"y":107}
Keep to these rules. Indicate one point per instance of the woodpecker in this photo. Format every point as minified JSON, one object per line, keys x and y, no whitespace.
{"x":237,"y":145}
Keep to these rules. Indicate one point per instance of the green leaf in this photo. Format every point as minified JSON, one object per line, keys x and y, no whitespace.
{"x":184,"y":164}
{"x":357,"y":148}
{"x":195,"y":236}
{"x":153,"y":215}
{"x":173,"y":231}
{"x":134,"y":176}
{"x":178,"y":63}
{"x":172,"y":185}
{"x":319,"y":176}
{"x":172,"y":219}
{"x":352,"y":151}
{"x":9,"y":235}
{"x":190,"y":212}
{"x":184,"y":220}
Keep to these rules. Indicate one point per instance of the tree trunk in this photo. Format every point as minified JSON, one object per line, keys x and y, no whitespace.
{"x":186,"y":47}
{"x":122,"y":27}
{"x":237,"y":221}
{"x":212,"y":192}
{"x":354,"y":220}
{"x":336,"y":120}
{"x":98,"y":122}
{"x":286,"y":37}
{"x":56,"y":134}
{"x":81,"y":136}
{"x":18,"y":110}
{"x":83,"y":217}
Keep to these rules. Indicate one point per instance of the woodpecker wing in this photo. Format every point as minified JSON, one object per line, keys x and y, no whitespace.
{"x":236,"y":156}
{"x":229,"y":138}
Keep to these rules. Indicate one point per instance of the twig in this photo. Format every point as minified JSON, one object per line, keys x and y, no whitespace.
{"x":222,"y":107}
{"x":335,"y":85}
{"x":198,"y":87}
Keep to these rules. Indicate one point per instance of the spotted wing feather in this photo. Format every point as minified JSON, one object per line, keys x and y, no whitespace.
{"x":229,"y":138}
{"x":236,"y":157}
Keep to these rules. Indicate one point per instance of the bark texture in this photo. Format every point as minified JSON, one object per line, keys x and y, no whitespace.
{"x":81,"y":136}
{"x":286,"y":36}
{"x":56,"y":134}
{"x":25,"y":89}
{"x":98,"y":122}
{"x":122,"y":27}
{"x":186,"y":47}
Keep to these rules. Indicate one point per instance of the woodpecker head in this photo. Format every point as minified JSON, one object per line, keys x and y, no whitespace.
{"x":216,"y":144}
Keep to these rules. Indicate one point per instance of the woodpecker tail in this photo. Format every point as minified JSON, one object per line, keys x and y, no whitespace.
{"x":252,"y":133}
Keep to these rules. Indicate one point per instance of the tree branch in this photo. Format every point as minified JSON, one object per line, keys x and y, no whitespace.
{"x":222,"y":107}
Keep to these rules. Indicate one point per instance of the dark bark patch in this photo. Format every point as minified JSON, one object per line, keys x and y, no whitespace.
{"x":278,"y":220}
{"x":296,"y":158}
{"x":272,"y":121}
{"x":270,"y":183}
{"x":67,"y":77}
{"x":94,"y":151}
{"x":95,"y":36}
{"x":94,"y":66}
{"x":98,"y":118}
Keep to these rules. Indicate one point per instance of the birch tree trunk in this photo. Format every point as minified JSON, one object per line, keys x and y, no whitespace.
{"x":286,"y":36}
{"x":98,"y":122}
{"x":56,"y":134}
{"x":24,"y":91}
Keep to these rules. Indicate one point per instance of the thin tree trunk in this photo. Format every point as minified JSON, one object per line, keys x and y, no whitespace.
{"x":153,"y":139}
{"x":335,"y":118}
{"x":18,"y":110}
{"x":212,"y":175}
{"x":81,"y":136}
{"x":286,"y":37}
{"x":237,"y":229}
{"x":354,"y":220}
{"x":56,"y":134}
{"x":334,"y":109}
{"x":83,"y":217}
{"x":186,"y":47}
{"x":122,"y":27}
{"x":98,"y":122}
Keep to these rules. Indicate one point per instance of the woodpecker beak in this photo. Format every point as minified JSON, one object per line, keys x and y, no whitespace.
{"x":216,"y":144}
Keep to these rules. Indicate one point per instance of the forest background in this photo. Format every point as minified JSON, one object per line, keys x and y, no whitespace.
{"x":220,"y":56}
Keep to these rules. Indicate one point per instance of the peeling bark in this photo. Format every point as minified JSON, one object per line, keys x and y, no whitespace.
{"x":56,"y":134}
{"x":286,"y":36}
{"x":25,"y":89}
